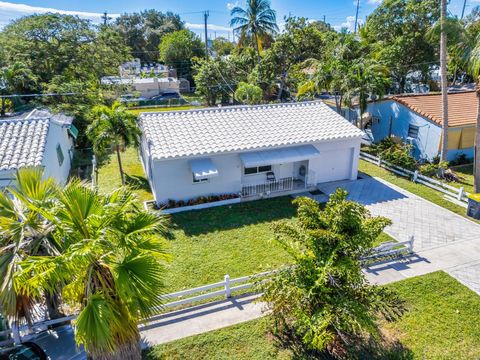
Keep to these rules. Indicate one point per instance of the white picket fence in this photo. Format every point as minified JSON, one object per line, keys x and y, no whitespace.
{"x":223,"y":288}
{"x":458,"y":194}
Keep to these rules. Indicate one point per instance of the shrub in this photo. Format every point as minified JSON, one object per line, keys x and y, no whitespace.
{"x":196,"y":201}
{"x":432,"y":169}
{"x":400,"y":155}
{"x":461,"y":159}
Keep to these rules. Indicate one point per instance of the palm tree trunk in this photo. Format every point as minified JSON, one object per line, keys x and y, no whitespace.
{"x":443,"y":74}
{"x":476,"y":149}
{"x":120,"y":167}
{"x":128,"y":351}
{"x":256,"y":45}
{"x":52,"y":301}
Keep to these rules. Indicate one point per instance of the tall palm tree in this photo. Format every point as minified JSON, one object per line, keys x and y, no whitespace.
{"x":444,"y":81}
{"x":113,"y":126}
{"x":257,"y":22}
{"x":472,"y":56}
{"x":111,"y":269}
{"x":25,"y":232}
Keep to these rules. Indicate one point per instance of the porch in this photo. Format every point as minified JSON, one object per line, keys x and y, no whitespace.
{"x":277,"y":171}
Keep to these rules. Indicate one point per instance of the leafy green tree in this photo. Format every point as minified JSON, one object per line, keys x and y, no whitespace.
{"x":396,"y":34}
{"x":219,"y":77}
{"x":366,"y":78}
{"x":113,"y":127}
{"x":142,"y":32}
{"x":61,"y":45}
{"x":257,"y":22}
{"x":178,"y":49}
{"x":111,"y":267}
{"x":280,"y":70}
{"x":248,"y":93}
{"x":25,"y":232}
{"x":15,"y":78}
{"x":323,"y":303}
{"x":222,"y":46}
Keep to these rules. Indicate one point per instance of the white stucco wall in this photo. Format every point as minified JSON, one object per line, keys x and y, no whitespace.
{"x":57,"y":135}
{"x":172,"y":179}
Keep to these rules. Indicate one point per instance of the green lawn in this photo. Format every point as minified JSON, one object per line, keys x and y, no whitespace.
{"x":421,"y":190}
{"x":466,"y":172}
{"x":234,"y":240}
{"x":109,"y":176}
{"x":441,"y":323}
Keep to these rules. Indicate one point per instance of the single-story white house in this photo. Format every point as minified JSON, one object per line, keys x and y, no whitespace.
{"x":251,"y":151}
{"x":147,"y":87}
{"x":38,"y":138}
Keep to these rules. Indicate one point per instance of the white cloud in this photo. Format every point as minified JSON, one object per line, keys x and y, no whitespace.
{"x":10,"y":11}
{"x":231,"y":5}
{"x":349,"y":24}
{"x":212,"y":27}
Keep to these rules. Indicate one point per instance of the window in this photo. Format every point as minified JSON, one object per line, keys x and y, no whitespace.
{"x":412,"y":131}
{"x":257,"y":169}
{"x":60,"y":156}
{"x":198,"y":181}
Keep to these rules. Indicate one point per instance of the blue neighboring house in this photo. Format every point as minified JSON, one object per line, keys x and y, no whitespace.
{"x":417,"y":119}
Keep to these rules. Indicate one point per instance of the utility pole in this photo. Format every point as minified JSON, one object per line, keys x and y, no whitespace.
{"x":105,"y":18}
{"x":356,"y":16}
{"x":463,"y":8}
{"x":324,"y":19}
{"x":205,"y":17}
{"x":443,"y":79}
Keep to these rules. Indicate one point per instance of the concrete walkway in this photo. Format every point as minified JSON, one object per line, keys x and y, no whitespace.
{"x":199,"y":319}
{"x":443,"y":241}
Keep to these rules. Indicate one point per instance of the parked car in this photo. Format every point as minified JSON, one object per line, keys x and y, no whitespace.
{"x":55,"y":344}
{"x":166,"y":96}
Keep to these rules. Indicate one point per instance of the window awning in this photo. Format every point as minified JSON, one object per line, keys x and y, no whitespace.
{"x":203,"y":168}
{"x":279,"y":156}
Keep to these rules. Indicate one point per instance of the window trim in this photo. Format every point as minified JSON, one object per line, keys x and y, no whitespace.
{"x":60,"y":155}
{"x":258,"y":170}
{"x":413,"y":128}
{"x":200,"y":181}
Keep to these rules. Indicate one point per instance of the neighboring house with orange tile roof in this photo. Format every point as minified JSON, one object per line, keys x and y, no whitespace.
{"x":417,"y":119}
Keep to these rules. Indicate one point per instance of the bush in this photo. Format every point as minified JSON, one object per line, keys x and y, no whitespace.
{"x":461,"y":160}
{"x":200,"y":200}
{"x":432,"y":169}
{"x":400,"y":155}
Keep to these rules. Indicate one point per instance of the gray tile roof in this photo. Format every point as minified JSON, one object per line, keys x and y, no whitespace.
{"x":240,"y":128}
{"x":22,"y":142}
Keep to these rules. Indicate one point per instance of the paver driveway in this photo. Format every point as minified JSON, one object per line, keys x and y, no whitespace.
{"x":431,"y":225}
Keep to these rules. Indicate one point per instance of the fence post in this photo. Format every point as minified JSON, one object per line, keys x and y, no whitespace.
{"x":94,"y":171}
{"x":415,"y":176}
{"x":461,"y":192}
{"x":379,"y":162}
{"x":228,"y":292}
{"x":16,"y":334}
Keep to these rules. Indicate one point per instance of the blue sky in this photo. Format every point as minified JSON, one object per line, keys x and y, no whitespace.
{"x":339,"y":13}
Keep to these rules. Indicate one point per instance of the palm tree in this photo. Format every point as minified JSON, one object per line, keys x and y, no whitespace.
{"x":472,"y":56}
{"x":257,"y":22}
{"x":444,"y":81}
{"x":113,"y":126}
{"x":111,"y":269}
{"x":25,"y":232}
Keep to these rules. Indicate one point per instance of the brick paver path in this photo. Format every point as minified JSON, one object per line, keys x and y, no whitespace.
{"x":431,"y":225}
{"x":468,"y":275}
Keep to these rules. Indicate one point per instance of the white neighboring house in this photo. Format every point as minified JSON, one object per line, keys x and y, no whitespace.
{"x":38,"y":138}
{"x":147,"y":87}
{"x":254,"y":151}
